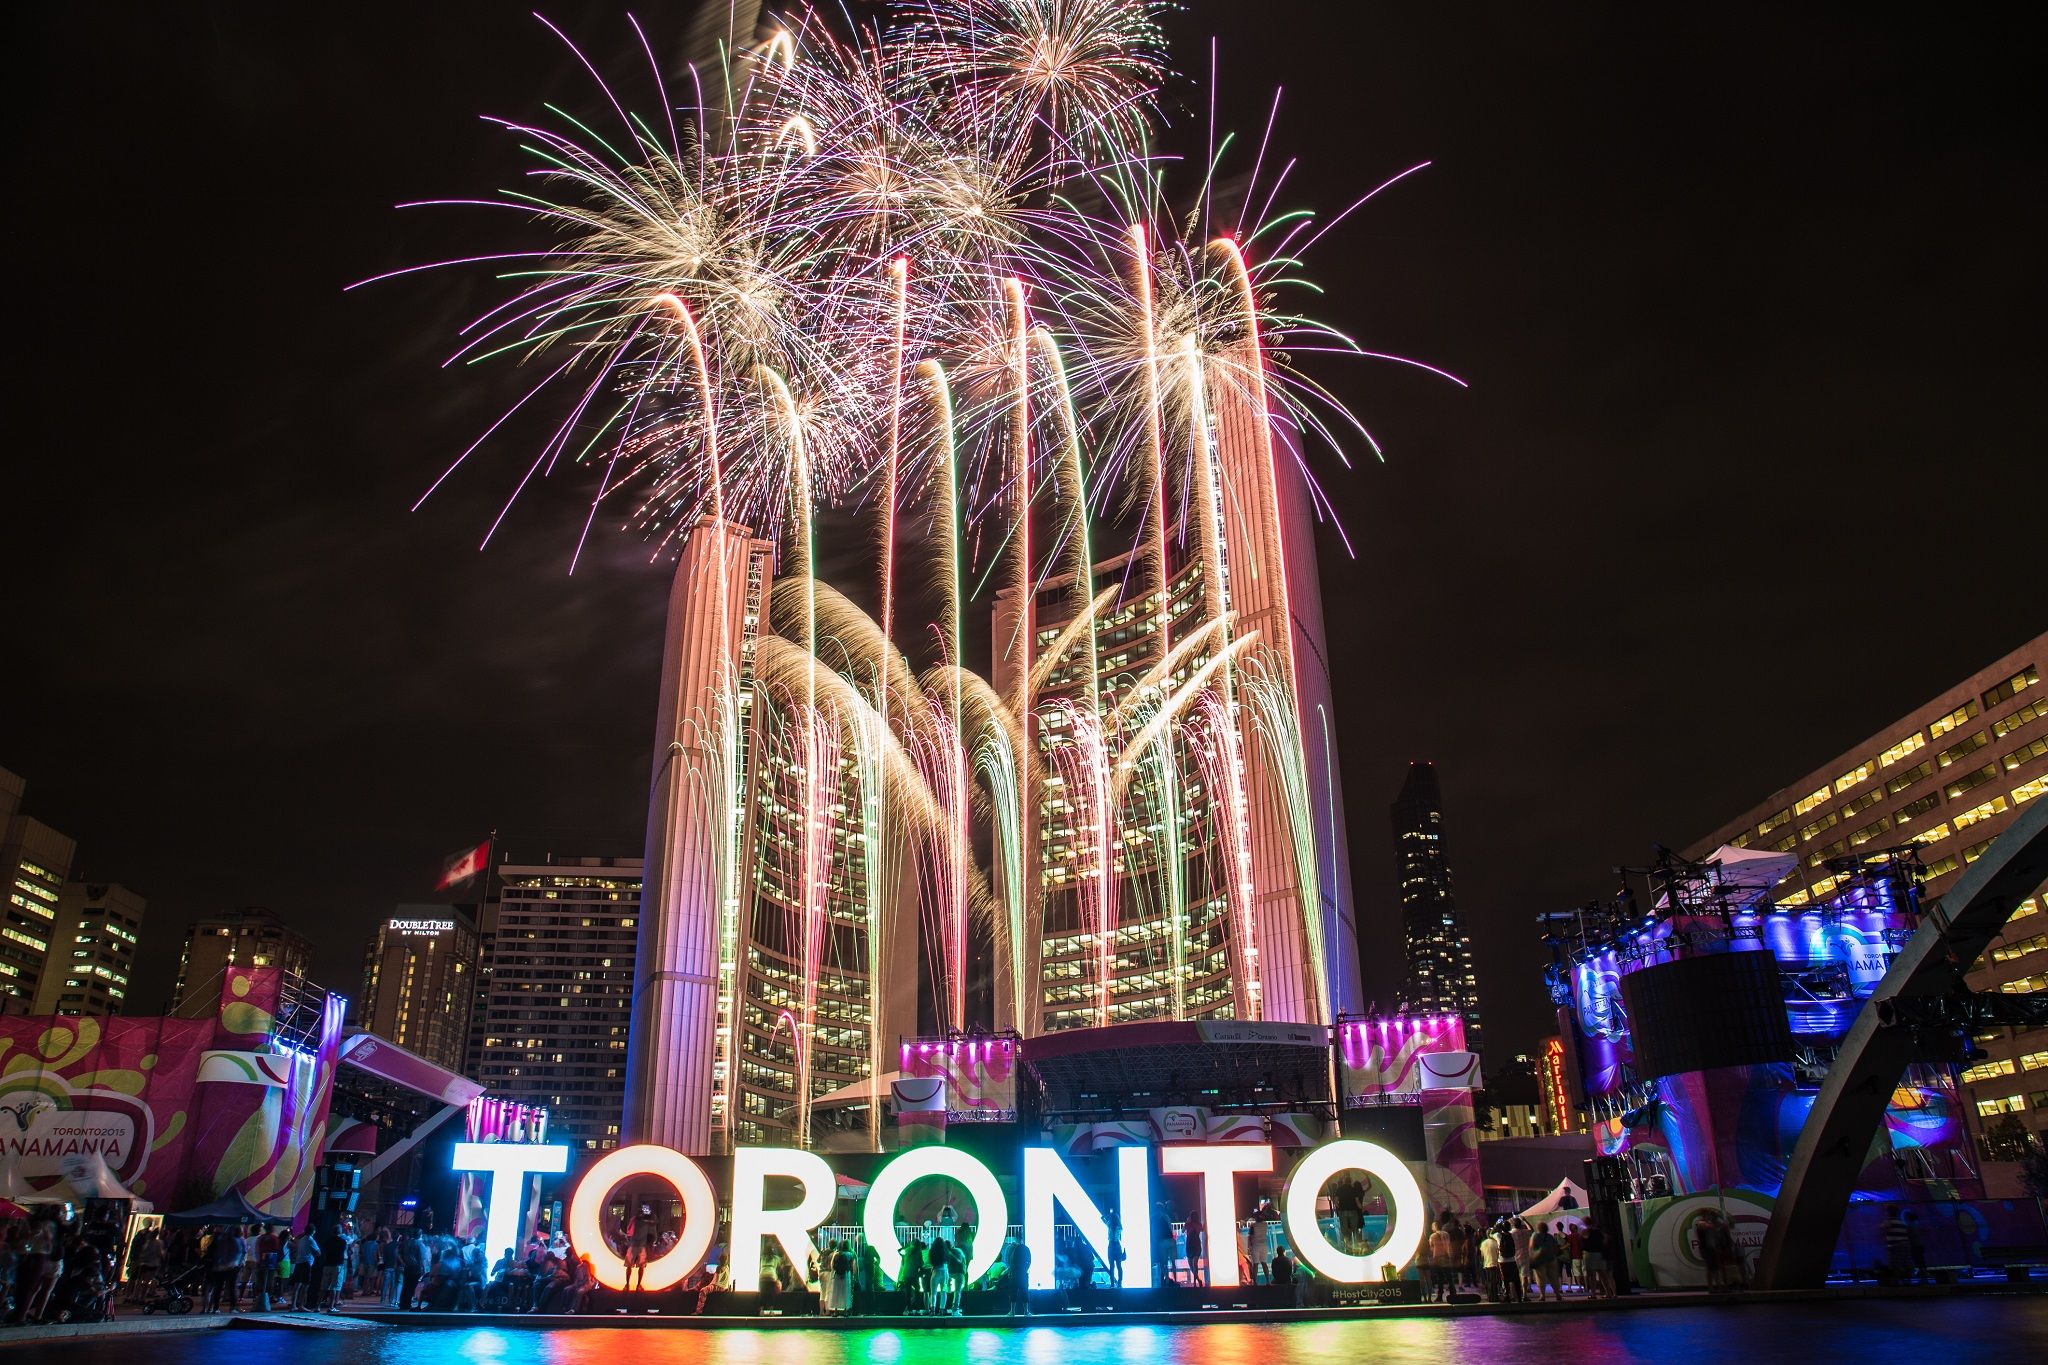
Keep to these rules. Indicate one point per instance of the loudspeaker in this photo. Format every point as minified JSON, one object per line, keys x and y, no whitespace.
{"x":1699,"y":1013}
{"x":1396,"y":1127}
{"x":335,"y":1188}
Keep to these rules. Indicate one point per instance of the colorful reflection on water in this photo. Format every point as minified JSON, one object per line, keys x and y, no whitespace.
{"x":2002,"y":1328}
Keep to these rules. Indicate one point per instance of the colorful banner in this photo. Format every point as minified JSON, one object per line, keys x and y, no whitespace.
{"x":78,"y":1093}
{"x":1377,"y":1058}
{"x":1450,"y":1137}
{"x":1185,"y":1123}
{"x":350,"y":1137}
{"x":263,"y":1108}
{"x":1664,"y":1246}
{"x":978,"y":1079}
{"x":390,"y":1062}
{"x":1447,"y":1071}
{"x":175,"y":1111}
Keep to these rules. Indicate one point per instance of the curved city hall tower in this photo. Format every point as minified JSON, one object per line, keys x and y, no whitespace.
{"x":758,"y":987}
{"x":687,"y":906}
{"x":1176,"y":952}
{"x":1269,"y":529}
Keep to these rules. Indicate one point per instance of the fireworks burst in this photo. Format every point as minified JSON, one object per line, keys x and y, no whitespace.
{"x":930,"y":266}
{"x":910,"y":181}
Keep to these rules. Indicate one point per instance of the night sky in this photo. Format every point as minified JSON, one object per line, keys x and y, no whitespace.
{"x":1750,"y":301}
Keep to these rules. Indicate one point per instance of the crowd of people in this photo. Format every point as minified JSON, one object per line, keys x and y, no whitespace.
{"x":255,"y":1267}
{"x":50,"y":1271}
{"x":53,"y":1272}
{"x":1512,"y":1260}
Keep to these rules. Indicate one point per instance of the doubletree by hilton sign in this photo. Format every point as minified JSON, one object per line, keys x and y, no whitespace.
{"x":419,"y":928}
{"x":1046,"y":1182}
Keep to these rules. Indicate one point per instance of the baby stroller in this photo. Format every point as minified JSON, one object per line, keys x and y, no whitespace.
{"x":173,"y":1293}
{"x":82,"y":1295}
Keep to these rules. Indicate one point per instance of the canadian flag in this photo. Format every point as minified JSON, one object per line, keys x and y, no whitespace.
{"x":464,"y":866}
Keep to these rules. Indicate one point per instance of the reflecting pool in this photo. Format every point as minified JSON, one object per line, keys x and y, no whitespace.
{"x":2004,"y":1328}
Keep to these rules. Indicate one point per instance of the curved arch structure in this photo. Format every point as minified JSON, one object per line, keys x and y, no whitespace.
{"x":1807,"y":1221}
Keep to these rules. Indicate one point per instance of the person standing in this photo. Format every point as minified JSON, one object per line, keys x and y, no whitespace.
{"x":384,"y":1257}
{"x":306,"y":1270}
{"x":843,"y":1267}
{"x":333,"y":1260}
{"x":1489,"y":1265}
{"x":269,"y":1248}
{"x":1898,"y":1252}
{"x":1543,"y":1255}
{"x":223,"y":1264}
{"x":1259,"y":1242}
{"x":1707,"y":1242}
{"x":1116,"y":1251}
{"x":938,"y":1275}
{"x":1017,"y":1265}
{"x":1599,"y":1280}
{"x":250,"y":1271}
{"x":1436,"y":1265}
{"x":956,"y":1278}
{"x":910,"y":1275}
{"x":1510,"y":1264}
{"x":412,"y":1264}
{"x":145,"y":1263}
{"x":1348,"y":1196}
{"x":352,"y":1261}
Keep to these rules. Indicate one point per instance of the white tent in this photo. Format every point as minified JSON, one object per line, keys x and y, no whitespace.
{"x":1743,"y":874}
{"x":1749,"y":872}
{"x":1554,"y":1206}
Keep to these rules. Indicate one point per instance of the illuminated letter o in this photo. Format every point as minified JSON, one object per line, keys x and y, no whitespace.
{"x":1303,"y":1187}
{"x":700,"y":1214}
{"x":991,"y":1209}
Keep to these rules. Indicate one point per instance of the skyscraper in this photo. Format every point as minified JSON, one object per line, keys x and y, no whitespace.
{"x":1946,"y":779}
{"x":250,"y":937}
{"x":727,"y":974}
{"x":92,"y":950}
{"x":34,"y":861}
{"x":420,"y":980}
{"x":560,"y":943}
{"x":1440,"y":979}
{"x":1134,"y":816}
{"x":1229,"y":883}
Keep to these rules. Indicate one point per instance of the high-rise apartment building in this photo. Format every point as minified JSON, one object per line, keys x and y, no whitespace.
{"x":34,"y":860}
{"x":560,"y":941}
{"x":1946,"y":778}
{"x":92,"y":950}
{"x":249,"y":937}
{"x":420,"y":981}
{"x":1440,"y":979}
